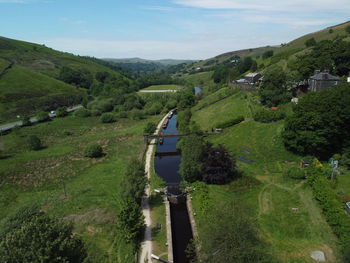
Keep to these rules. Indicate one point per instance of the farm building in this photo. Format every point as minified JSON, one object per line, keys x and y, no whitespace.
{"x":322,"y":80}
{"x":252,"y":77}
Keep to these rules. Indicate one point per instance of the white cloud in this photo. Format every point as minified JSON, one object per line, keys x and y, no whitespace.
{"x":158,"y":8}
{"x":268,"y":5}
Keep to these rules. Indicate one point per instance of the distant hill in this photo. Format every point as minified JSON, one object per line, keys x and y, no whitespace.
{"x":29,"y":77}
{"x":165,"y":62}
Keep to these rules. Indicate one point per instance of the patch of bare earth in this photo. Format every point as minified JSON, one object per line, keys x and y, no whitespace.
{"x":97,"y":215}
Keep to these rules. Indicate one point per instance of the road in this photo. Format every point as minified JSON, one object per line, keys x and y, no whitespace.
{"x":146,"y":245}
{"x":9,"y":126}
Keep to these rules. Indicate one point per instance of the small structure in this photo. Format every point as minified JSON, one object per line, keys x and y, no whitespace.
{"x":274,"y":108}
{"x":318,"y":256}
{"x":347,"y":207}
{"x":295,"y":100}
{"x":322,"y":80}
{"x":252,"y":78}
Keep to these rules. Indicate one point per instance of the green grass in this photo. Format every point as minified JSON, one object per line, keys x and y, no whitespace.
{"x":92,"y":185}
{"x":237,"y":104}
{"x":264,"y":188}
{"x":163,"y":87}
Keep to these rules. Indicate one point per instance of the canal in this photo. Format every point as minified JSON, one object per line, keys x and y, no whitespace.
{"x":167,"y":164}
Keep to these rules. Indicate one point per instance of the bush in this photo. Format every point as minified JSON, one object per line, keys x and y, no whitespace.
{"x":296,"y":173}
{"x":96,"y":112}
{"x":105,"y":106}
{"x":43,"y":116}
{"x":61,"y":112}
{"x":267,"y":54}
{"x":310,"y":42}
{"x":93,"y":151}
{"x":26,"y":121}
{"x":123,"y":115}
{"x":150,"y":128}
{"x":34,"y":143}
{"x":230,"y":123}
{"x":32,"y":236}
{"x":107,"y":118}
{"x":82,"y":113}
{"x":267,"y":115}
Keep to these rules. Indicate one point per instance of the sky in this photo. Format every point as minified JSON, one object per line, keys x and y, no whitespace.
{"x":160,"y":29}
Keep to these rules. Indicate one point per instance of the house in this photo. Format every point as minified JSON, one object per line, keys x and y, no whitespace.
{"x":322,"y":80}
{"x":252,"y":78}
{"x":347,"y":207}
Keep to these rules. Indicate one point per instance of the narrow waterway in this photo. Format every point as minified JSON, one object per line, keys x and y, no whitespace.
{"x":167,"y":162}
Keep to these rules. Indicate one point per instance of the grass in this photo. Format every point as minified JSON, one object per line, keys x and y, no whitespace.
{"x":264,"y":189}
{"x":212,"y":111}
{"x":163,"y":87}
{"x":92,"y":185}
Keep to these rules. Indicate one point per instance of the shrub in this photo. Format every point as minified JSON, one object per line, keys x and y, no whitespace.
{"x":310,"y":42}
{"x":266,"y":115}
{"x":107,"y":118}
{"x":61,"y":112}
{"x":150,"y":128}
{"x":93,"y":151}
{"x":26,"y":121}
{"x":296,"y":173}
{"x":32,"y":236}
{"x":347,"y":29}
{"x":96,"y":112}
{"x":123,"y":114}
{"x":230,"y":123}
{"x":267,"y":54}
{"x":82,"y":113}
{"x":105,"y":106}
{"x":34,"y":143}
{"x":43,"y":116}
{"x":345,"y":160}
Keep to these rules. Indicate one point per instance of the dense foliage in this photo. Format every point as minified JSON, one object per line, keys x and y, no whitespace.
{"x":218,"y":167}
{"x":77,"y":77}
{"x":33,"y":236}
{"x":34,"y":143}
{"x":107,"y":117}
{"x":61,"y":112}
{"x":82,"y":112}
{"x":130,"y":218}
{"x":333,"y":55}
{"x":320,"y":124}
{"x":229,"y":235}
{"x":201,"y":161}
{"x":330,"y":203}
{"x":274,"y":89}
{"x":43,"y":116}
{"x":150,"y":128}
{"x":268,"y":115}
{"x":93,"y":151}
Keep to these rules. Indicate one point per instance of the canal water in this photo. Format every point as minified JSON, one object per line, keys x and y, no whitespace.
{"x":167,"y":162}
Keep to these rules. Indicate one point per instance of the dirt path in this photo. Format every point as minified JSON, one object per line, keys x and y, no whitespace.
{"x":146,"y":245}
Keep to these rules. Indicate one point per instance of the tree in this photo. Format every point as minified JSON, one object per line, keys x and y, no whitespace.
{"x":93,"y":151}
{"x":32,"y":236}
{"x":192,"y":148}
{"x":310,"y":42}
{"x":107,"y":117}
{"x":61,"y":112}
{"x":102,"y":76}
{"x":150,"y":128}
{"x":26,"y":121}
{"x":218,"y":167}
{"x":267,"y":54}
{"x":82,"y":113}
{"x":347,"y":29}
{"x":34,"y":143}
{"x":273,"y":90}
{"x":319,"y":125}
{"x":43,"y":116}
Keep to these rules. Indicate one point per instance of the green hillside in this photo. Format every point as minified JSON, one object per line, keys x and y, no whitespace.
{"x":265,"y":189}
{"x":29,"y":78}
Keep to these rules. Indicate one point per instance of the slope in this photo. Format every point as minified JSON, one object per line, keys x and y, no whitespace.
{"x":29,"y":72}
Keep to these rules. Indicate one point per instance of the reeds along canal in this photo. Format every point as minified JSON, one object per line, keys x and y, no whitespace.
{"x":167,"y":161}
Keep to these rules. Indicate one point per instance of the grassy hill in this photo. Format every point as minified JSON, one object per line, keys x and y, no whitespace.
{"x":92,"y":185}
{"x":265,"y":189}
{"x":30,"y":72}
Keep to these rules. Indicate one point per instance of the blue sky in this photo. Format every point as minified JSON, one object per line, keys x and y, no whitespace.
{"x":154,"y":29}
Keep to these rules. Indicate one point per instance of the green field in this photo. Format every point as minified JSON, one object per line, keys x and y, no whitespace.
{"x":211,"y":112}
{"x":92,"y":185}
{"x":163,"y":87}
{"x":269,"y":195}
